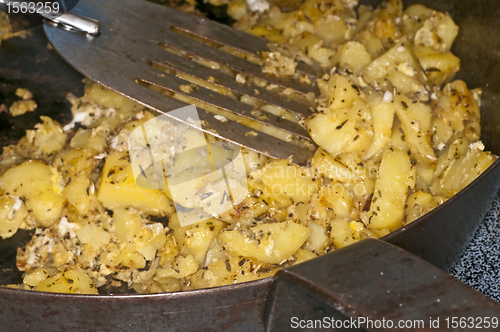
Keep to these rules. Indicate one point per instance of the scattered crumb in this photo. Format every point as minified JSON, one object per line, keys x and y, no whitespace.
{"x":258,"y":5}
{"x":476,"y":94}
{"x":478,"y":145}
{"x":24,"y":94}
{"x":240,"y":78}
{"x":251,"y":133}
{"x":277,"y":64}
{"x":187,"y":88}
{"x":220,"y":118}
{"x":407,"y":69}
{"x":22,"y":106}
{"x":305,"y":79}
{"x":12,"y":286}
{"x":3,"y":108}
{"x":101,"y":156}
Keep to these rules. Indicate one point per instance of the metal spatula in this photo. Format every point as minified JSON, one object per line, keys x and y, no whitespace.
{"x":131,"y":39}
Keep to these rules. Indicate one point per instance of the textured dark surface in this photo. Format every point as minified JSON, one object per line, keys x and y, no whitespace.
{"x":28,"y":63}
{"x":479,"y":266}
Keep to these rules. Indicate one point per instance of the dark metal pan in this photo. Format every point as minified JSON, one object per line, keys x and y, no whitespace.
{"x":368,"y":279}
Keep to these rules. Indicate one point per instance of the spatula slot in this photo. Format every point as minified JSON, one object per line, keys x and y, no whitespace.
{"x":196,"y":46}
{"x":191,"y":87}
{"x":297,"y":151}
{"x":211,"y":83}
{"x":251,"y":57}
{"x":224,"y":77}
{"x":211,"y":102}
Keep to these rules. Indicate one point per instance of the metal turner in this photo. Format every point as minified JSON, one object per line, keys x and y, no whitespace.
{"x":132,"y":34}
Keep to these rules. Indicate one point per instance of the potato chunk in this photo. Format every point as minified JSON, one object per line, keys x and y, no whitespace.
{"x":272,"y":243}
{"x":76,"y":161}
{"x":461,"y":172}
{"x":22,"y":106}
{"x":91,"y":139}
{"x":78,"y":193}
{"x":138,"y":240}
{"x":318,"y":240}
{"x":383,"y":117}
{"x":400,"y":67}
{"x":12,"y":213}
{"x":438,"y":31}
{"x":419,"y":203}
{"x":440,"y":67}
{"x":414,"y":18}
{"x":341,"y":233}
{"x":416,"y":124}
{"x":196,"y":239}
{"x":49,"y":136}
{"x":33,"y":180}
{"x":108,"y":98}
{"x":282,"y":178}
{"x":341,"y":92}
{"x":35,"y":277}
{"x":119,"y":190}
{"x":459,"y":112}
{"x":229,"y":271}
{"x":332,"y":200}
{"x":396,"y":174}
{"x":344,"y":130}
{"x":347,"y":168}
{"x":182,"y":267}
{"x":72,"y":282}
{"x":25,"y":94}
{"x":353,"y":54}
{"x":277,"y":64}
{"x":333,"y":168}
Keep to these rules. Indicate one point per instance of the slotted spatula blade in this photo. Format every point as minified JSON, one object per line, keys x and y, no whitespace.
{"x":133,"y":34}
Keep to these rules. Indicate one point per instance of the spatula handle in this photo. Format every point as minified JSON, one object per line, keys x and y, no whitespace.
{"x":372,"y":282}
{"x":77,"y":22}
{"x":57,"y":14}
